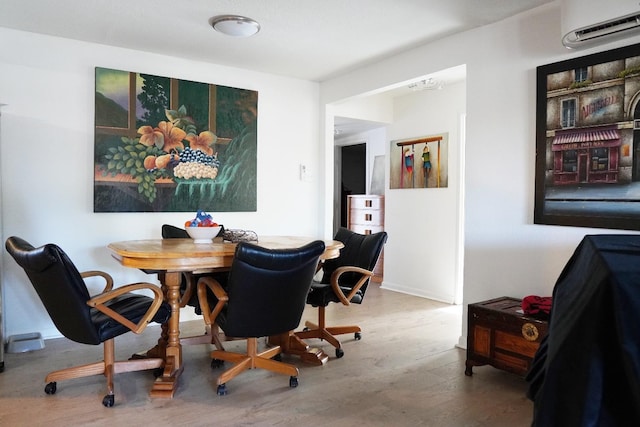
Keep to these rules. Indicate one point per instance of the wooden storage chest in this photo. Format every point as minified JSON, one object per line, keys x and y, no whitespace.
{"x":501,"y":335}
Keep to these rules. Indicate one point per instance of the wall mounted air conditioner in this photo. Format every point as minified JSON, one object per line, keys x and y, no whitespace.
{"x":589,"y":22}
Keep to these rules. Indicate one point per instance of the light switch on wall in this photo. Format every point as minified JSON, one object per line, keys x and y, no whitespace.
{"x":304,"y":173}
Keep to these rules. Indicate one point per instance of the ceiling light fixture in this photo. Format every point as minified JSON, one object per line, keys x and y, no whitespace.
{"x":234,"y":25}
{"x":428,"y":84}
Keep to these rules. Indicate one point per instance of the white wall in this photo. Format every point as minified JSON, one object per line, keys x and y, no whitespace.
{"x":374,"y":108}
{"x":421,"y":254}
{"x":47,"y":159}
{"x":504,"y":252}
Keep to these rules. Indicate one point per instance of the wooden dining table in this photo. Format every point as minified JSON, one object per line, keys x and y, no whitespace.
{"x":169,"y":258}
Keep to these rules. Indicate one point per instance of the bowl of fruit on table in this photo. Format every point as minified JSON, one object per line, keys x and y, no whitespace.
{"x":202,"y":229}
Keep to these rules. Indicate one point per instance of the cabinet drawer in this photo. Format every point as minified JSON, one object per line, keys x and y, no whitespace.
{"x":511,"y":363}
{"x":366,"y":229}
{"x":516,"y":344}
{"x":365,"y":217}
{"x":367,"y":202}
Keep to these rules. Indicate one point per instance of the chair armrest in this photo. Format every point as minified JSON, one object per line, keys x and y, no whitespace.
{"x":99,"y":300}
{"x":217,"y":289}
{"x":335,"y":282}
{"x":188,"y":290}
{"x":107,"y":277}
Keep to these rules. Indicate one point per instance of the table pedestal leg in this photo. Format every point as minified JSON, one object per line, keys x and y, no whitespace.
{"x":291,"y":344}
{"x":169,"y":343}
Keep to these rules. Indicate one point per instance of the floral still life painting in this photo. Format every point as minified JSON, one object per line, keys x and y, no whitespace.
{"x":168,"y":145}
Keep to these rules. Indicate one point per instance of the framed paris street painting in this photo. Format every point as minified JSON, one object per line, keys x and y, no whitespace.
{"x":168,"y":145}
{"x":588,"y":141}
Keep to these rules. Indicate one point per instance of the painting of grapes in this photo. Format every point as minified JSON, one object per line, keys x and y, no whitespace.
{"x":168,"y":145}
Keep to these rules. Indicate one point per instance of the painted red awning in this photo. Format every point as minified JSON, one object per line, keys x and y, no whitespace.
{"x":586,"y":139}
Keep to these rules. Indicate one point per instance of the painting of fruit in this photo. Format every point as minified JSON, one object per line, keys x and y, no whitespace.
{"x":168,"y":145}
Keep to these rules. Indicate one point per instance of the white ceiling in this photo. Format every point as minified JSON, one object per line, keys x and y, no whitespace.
{"x":306,"y":39}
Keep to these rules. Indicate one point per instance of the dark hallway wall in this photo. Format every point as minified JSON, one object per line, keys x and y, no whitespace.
{"x":354,"y":180}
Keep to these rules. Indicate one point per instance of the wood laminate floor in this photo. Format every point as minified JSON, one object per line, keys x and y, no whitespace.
{"x":406,"y":371}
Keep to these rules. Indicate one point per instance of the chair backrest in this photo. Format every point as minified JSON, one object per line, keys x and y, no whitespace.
{"x":268,"y":288}
{"x":360,"y":250}
{"x":60,"y":287}
{"x":173,"y":232}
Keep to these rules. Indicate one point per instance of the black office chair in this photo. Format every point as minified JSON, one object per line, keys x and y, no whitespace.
{"x":89,"y":319}
{"x":265,"y":296}
{"x":344,"y":280}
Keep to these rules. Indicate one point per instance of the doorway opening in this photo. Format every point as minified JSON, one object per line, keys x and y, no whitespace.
{"x":353,"y":179}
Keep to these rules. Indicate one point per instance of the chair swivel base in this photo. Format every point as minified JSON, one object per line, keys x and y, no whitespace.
{"x":252,"y":360}
{"x":100,"y":368}
{"x":328,"y":334}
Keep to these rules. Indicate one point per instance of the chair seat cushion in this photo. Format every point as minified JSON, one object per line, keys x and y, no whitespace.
{"x":322,"y":294}
{"x":131,"y":306}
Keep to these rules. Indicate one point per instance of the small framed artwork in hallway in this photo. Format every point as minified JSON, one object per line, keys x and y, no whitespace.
{"x":420,"y":162}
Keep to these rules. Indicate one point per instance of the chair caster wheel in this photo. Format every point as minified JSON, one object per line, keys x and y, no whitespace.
{"x":293,"y":382}
{"x":357,"y":336}
{"x":108,"y":400}
{"x":216,"y":363}
{"x":222,"y":390}
{"x":339,"y":353}
{"x":51,"y":388}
